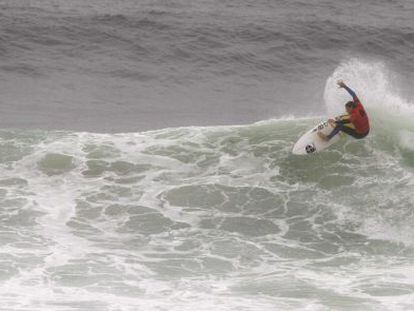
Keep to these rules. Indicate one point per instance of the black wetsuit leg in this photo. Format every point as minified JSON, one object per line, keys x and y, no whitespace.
{"x":350,"y":131}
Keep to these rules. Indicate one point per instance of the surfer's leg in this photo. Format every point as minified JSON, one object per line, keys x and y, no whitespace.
{"x":353,"y":133}
{"x":335,"y":131}
{"x":347,"y":130}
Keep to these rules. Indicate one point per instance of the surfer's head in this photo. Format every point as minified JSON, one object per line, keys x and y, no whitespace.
{"x":349,"y":106}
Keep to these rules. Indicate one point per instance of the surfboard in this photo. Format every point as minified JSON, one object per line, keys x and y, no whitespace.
{"x":310,"y":142}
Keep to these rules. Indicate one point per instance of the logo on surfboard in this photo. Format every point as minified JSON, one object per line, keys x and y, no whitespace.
{"x":310,"y":148}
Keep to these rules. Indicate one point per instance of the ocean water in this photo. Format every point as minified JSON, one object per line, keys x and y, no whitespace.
{"x":145,"y":156}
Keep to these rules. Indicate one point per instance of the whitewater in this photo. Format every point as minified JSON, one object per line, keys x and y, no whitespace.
{"x":220,"y":217}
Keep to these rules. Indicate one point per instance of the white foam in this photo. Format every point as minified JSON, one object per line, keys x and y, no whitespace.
{"x":245,"y":165}
{"x":373,"y":84}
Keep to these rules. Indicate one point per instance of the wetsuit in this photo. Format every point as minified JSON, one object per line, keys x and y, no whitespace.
{"x":356,"y":124}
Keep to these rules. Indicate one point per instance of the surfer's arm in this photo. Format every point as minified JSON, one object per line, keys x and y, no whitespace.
{"x":344,"y":119}
{"x":352,"y":93}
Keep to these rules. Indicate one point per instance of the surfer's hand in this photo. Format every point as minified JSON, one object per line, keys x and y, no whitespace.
{"x":340,"y":83}
{"x":331,"y":122}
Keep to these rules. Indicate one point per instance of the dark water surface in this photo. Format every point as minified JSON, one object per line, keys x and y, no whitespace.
{"x":113,"y":66}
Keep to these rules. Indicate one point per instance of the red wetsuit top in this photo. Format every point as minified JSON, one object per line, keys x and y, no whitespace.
{"x":359,"y":117}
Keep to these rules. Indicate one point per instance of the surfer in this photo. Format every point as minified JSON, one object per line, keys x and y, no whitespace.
{"x":355,"y":123}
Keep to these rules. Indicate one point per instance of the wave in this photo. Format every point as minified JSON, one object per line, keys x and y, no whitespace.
{"x":369,"y":179}
{"x":354,"y":174}
{"x":166,"y":211}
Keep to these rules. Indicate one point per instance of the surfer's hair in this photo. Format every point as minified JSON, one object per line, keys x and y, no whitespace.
{"x":350,"y":104}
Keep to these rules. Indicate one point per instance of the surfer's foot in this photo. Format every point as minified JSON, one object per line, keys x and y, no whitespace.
{"x":322,"y":136}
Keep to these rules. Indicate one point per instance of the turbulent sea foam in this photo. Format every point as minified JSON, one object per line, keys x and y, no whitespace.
{"x":208,"y":218}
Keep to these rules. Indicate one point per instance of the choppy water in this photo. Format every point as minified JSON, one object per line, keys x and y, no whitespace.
{"x":116,"y":66}
{"x":221,"y":217}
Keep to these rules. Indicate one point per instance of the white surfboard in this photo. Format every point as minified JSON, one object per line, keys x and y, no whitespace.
{"x":310,"y":142}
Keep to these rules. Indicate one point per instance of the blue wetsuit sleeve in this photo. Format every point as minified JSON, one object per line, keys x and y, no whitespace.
{"x":352,"y":93}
